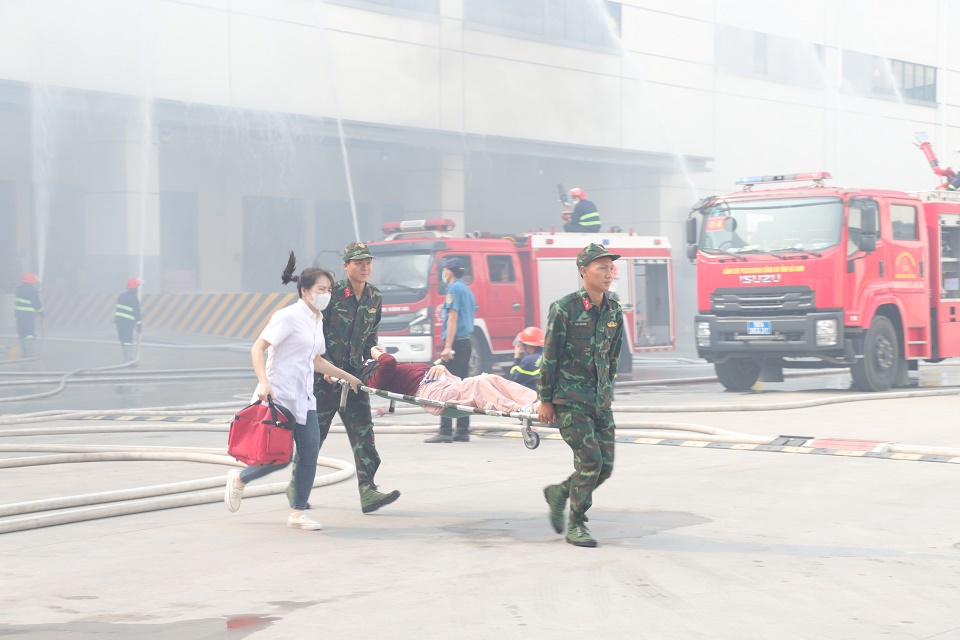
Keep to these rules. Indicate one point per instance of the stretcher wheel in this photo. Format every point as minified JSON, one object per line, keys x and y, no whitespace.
{"x":531,"y":439}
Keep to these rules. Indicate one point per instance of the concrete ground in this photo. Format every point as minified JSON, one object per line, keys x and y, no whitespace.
{"x":694,"y":543}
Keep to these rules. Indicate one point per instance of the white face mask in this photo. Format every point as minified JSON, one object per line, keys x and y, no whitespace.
{"x":320,"y":300}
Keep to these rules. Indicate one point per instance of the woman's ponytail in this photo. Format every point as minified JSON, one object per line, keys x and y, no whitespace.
{"x":288,"y":272}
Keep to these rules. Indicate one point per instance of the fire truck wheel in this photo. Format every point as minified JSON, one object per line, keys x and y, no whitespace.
{"x":877,"y":369}
{"x":480,"y":360}
{"x":738,"y":374}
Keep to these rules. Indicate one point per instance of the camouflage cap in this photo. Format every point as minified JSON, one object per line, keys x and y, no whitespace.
{"x":356,"y":251}
{"x":593,"y":251}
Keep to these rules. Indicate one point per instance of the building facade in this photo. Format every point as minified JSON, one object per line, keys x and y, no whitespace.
{"x":195,"y":142}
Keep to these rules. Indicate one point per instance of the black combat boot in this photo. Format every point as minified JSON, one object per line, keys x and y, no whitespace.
{"x":463,"y":430}
{"x":445,"y":434}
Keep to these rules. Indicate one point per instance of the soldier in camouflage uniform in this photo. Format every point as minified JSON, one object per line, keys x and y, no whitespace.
{"x":580,"y":355}
{"x":350,"y":324}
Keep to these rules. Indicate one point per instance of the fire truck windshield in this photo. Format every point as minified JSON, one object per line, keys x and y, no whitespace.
{"x":401,"y":277}
{"x":772,"y":226}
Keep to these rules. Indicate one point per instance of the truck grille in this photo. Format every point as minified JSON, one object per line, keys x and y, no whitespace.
{"x":398,"y":322}
{"x":763,"y":301}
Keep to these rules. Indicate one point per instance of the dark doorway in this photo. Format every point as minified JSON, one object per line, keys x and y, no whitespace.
{"x":65,"y":269}
{"x":272,"y":227}
{"x":179,"y":258}
{"x":9,"y":267}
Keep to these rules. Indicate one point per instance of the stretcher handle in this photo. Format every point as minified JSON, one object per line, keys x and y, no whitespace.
{"x":344,"y":391}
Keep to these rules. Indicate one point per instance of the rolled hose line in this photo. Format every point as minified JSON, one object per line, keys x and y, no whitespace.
{"x":93,"y":373}
{"x":210,"y":408}
{"x":424,"y":427}
{"x":660,"y":430}
{"x":93,"y":376}
{"x":18,"y":361}
{"x":62,"y":381}
{"x":781,"y":406}
{"x":143,"y":499}
{"x":229,"y":346}
{"x":169,"y":496}
{"x":126,"y":379}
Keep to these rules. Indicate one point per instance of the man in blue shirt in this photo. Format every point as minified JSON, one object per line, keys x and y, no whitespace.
{"x":459,"y":307}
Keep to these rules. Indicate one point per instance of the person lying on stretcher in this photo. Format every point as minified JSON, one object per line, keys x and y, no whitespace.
{"x":436,"y":383}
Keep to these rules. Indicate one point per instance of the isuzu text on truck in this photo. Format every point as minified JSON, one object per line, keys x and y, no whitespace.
{"x":820,"y":276}
{"x":514,"y":279}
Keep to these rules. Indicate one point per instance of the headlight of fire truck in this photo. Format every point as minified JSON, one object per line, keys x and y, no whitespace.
{"x":826,"y":333}
{"x":422,"y":323}
{"x":703,"y":334}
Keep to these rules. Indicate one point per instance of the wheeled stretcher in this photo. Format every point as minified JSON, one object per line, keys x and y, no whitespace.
{"x":531,"y":439}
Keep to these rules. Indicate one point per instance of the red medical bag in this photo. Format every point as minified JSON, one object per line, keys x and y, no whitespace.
{"x":262,"y":434}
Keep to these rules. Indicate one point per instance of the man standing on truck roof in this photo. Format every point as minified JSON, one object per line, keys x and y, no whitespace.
{"x":583,"y":339}
{"x":585,"y":217}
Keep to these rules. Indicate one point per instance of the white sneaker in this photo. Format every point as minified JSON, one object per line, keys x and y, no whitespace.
{"x":233,"y":492}
{"x":300,"y":520}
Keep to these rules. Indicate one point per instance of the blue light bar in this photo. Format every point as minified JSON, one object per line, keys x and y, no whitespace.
{"x":785,"y":177}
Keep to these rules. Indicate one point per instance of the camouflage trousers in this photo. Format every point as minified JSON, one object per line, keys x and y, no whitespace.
{"x":358,"y":423}
{"x":590,"y":433}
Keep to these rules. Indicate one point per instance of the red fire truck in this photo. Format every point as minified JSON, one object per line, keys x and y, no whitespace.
{"x":818,"y":276}
{"x":514,"y":279}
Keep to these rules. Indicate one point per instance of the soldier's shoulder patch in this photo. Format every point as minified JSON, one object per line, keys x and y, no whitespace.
{"x":449,"y":298}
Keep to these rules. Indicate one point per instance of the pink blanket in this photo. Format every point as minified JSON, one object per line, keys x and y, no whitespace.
{"x":483,"y":392}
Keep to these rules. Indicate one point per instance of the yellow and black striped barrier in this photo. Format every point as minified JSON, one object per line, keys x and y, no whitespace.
{"x":229,"y":315}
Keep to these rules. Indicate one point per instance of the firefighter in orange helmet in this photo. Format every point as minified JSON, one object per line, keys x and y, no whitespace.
{"x":127,"y":317}
{"x":527,"y":354}
{"x":26,"y":308}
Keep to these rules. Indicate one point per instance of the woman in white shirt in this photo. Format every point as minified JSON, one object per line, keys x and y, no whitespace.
{"x":293,"y":340}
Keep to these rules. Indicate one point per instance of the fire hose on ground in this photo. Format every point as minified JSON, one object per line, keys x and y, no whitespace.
{"x":204,"y":491}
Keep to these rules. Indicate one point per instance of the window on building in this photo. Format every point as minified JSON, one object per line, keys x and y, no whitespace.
{"x":418,"y":6}
{"x":580,"y":21}
{"x":879,"y":77}
{"x":763,"y":55}
{"x":501,"y":269}
{"x":903,"y":220}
